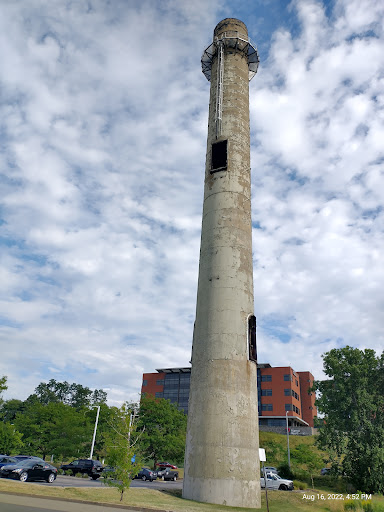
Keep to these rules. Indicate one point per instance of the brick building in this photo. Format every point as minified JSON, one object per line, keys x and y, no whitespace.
{"x":281,"y":392}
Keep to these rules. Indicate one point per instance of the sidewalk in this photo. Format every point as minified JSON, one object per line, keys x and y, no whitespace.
{"x":63,"y":505}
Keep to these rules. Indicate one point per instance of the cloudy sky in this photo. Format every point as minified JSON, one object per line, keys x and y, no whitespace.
{"x":103,"y":112}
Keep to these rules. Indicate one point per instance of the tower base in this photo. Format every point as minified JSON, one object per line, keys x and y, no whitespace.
{"x":232,"y":493}
{"x":222,"y":451}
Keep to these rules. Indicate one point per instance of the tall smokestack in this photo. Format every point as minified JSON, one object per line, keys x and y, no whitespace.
{"x":222,"y":451}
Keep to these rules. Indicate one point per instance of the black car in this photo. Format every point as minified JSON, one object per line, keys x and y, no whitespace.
{"x":147,"y":474}
{"x":25,"y":457}
{"x":6,"y":459}
{"x":109,"y":471}
{"x":29,"y":469}
{"x":93,"y":468}
{"x":167,"y":474}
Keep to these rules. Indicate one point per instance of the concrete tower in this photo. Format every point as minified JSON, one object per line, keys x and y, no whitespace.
{"x":222,"y":457}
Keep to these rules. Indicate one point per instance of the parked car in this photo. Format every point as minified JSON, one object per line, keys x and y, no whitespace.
{"x":166,"y":465}
{"x":276,"y":482}
{"x":92,"y":468}
{"x":6,"y":459}
{"x":25,"y":457}
{"x":147,"y":474}
{"x":167,"y":474}
{"x":109,"y":472}
{"x":29,"y":469}
{"x":325,"y":471}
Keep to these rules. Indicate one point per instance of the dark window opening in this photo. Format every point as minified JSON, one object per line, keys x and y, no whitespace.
{"x":219,"y":155}
{"x":252,"y":338}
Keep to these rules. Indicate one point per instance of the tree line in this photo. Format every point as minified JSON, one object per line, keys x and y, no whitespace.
{"x":58,"y":420}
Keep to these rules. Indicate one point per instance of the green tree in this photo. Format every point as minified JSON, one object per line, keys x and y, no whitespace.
{"x":121,"y":442}
{"x":75,"y":395}
{"x":304,"y":454}
{"x":10,"y":438}
{"x":10,"y":408}
{"x":3,"y":387}
{"x":163,"y":429}
{"x":54,"y":429}
{"x":352,"y":402}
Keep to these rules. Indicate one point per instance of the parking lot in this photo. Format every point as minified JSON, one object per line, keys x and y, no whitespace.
{"x":71,"y":481}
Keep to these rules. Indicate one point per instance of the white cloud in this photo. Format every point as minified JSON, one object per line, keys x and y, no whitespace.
{"x":104,"y":113}
{"x":317,"y":112}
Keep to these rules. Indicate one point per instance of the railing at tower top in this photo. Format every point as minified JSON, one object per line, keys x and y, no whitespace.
{"x":232,"y":40}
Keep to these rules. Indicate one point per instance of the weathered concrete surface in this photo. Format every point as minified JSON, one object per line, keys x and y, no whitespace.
{"x":222,"y":459}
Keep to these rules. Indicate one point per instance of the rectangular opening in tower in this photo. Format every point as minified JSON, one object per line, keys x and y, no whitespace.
{"x":252,"y":338}
{"x":219,"y":156}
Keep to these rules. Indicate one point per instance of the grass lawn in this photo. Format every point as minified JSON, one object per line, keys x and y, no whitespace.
{"x":279,"y":501}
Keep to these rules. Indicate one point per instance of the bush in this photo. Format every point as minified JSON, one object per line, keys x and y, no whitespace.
{"x":335,"y":483}
{"x":373,"y":507}
{"x":350,"y":505}
{"x":285,"y":472}
{"x":299,"y":484}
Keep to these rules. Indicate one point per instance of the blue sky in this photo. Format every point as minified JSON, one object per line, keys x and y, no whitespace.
{"x":103,"y":112}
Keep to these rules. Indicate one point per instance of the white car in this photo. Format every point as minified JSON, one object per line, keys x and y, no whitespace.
{"x":268,"y":469}
{"x":276,"y":482}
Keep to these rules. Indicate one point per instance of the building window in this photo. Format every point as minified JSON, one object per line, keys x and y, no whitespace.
{"x":288,"y":377}
{"x":266,"y":392}
{"x":252,"y":338}
{"x":287,"y":392}
{"x":288,"y":407}
{"x":267,"y":407}
{"x":160,"y":382}
{"x":219,"y":156}
{"x":159,"y":394}
{"x":297,"y":383}
{"x":266,"y":378}
{"x":276,"y":423}
{"x":145,"y":382}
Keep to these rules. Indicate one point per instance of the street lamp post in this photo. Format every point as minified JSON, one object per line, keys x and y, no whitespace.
{"x":94,"y":432}
{"x":289,"y":456}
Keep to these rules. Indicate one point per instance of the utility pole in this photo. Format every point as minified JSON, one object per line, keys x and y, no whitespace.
{"x":289,"y":455}
{"x":94,"y":432}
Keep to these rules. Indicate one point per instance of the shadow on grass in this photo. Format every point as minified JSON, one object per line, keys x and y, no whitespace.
{"x":176,"y":493}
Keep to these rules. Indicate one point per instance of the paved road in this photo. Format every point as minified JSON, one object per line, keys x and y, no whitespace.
{"x":71,"y":481}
